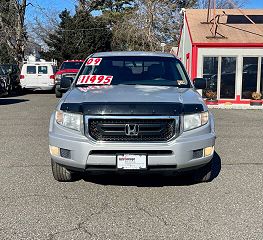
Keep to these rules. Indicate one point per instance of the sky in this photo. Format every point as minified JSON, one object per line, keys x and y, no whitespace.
{"x":254,"y":4}
{"x":69,"y":4}
{"x":56,"y":6}
{"x":41,"y":8}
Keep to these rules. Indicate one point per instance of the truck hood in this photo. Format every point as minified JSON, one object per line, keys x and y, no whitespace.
{"x":122,"y":96}
{"x":132,"y":93}
{"x":67,"y":71}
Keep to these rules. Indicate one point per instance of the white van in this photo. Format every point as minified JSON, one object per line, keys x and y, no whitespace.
{"x":38,"y":75}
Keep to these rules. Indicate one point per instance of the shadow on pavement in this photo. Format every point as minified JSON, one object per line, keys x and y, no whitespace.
{"x":39,"y":92}
{"x":151,"y":179}
{"x":10,"y":101}
{"x":216,"y":166}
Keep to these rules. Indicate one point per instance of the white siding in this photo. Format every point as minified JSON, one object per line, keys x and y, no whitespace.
{"x":185,"y":47}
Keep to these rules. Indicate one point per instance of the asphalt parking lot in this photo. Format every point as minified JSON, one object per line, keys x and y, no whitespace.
{"x":34,"y":206}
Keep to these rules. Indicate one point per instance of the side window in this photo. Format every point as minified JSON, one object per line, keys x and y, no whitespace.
{"x":31,"y":70}
{"x":210,"y":73}
{"x":42,"y":69}
{"x":54,"y":69}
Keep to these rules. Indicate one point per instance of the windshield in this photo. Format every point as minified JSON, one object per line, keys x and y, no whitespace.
{"x":141,"y":70}
{"x":70,"y":65}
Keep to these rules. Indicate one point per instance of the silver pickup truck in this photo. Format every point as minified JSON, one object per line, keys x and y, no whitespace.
{"x":131,"y":112}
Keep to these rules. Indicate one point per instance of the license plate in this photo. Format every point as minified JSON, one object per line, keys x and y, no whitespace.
{"x":131,"y":162}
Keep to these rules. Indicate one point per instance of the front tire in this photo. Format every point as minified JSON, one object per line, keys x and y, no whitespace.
{"x":10,"y":90}
{"x":61,"y":174}
{"x":58,"y":93}
{"x":204,"y":174}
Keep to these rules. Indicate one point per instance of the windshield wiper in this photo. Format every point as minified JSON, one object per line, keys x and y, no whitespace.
{"x":133,"y":84}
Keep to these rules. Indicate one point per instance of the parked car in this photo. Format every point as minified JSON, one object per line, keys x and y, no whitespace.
{"x":131,"y":111}
{"x":38,"y":75}
{"x":68,"y":68}
{"x":13,"y":72}
{"x":4,"y":83}
{"x":9,"y":75}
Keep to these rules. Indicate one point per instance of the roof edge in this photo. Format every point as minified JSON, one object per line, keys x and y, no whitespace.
{"x":227,"y":44}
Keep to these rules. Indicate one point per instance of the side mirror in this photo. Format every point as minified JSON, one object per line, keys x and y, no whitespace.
{"x":200,"y":83}
{"x":65,"y":84}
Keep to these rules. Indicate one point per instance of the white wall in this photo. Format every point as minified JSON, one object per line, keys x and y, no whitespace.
{"x":185,"y":47}
{"x":228,"y":52}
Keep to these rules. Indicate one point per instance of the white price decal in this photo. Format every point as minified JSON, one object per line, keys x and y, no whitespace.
{"x":95,"y":79}
{"x":93,"y":61}
{"x":94,"y":87}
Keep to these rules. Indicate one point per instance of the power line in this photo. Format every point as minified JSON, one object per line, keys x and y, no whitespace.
{"x":82,"y":29}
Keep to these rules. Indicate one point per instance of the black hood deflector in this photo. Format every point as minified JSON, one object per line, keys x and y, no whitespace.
{"x":130,"y":109}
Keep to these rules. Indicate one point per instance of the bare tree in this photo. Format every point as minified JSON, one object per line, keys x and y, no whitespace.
{"x":152,"y":23}
{"x":43,"y":23}
{"x":12,"y":24}
{"x":223,"y":4}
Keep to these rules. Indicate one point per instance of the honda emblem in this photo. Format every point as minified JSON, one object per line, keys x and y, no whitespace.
{"x":132,"y":129}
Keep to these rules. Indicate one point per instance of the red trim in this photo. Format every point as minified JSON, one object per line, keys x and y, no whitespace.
{"x":230,"y":45}
{"x":188,"y":62}
{"x":207,"y":102}
{"x":233,"y":101}
{"x":237,"y":101}
{"x":194,"y":61}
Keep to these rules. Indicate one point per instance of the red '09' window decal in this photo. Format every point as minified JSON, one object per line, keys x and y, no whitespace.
{"x":93,"y":61}
{"x":94,"y":79}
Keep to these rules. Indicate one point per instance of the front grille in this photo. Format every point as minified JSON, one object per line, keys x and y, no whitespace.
{"x":146,"y":129}
{"x":69,"y":75}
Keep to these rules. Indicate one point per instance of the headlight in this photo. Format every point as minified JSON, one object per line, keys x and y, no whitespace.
{"x":196,"y":120}
{"x":69,"y":120}
{"x":58,"y":77}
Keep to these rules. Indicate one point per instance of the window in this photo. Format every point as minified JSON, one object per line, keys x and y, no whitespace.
{"x":141,"y":70}
{"x":241,"y":19}
{"x":249,"y":76}
{"x":54,"y":68}
{"x":42,"y":69}
{"x":228,"y":78}
{"x":31,"y":70}
{"x":71,"y":65}
{"x":210,"y":71}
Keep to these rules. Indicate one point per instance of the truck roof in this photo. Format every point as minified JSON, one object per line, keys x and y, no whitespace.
{"x":74,"y":60}
{"x":132,"y":54}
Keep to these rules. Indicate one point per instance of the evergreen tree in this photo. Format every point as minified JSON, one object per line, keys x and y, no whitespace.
{"x":78,"y":36}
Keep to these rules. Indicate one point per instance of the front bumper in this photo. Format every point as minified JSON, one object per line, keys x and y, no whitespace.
{"x":45,"y":87}
{"x":88,"y":155}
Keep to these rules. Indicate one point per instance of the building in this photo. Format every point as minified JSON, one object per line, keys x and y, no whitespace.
{"x":228,"y":53}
